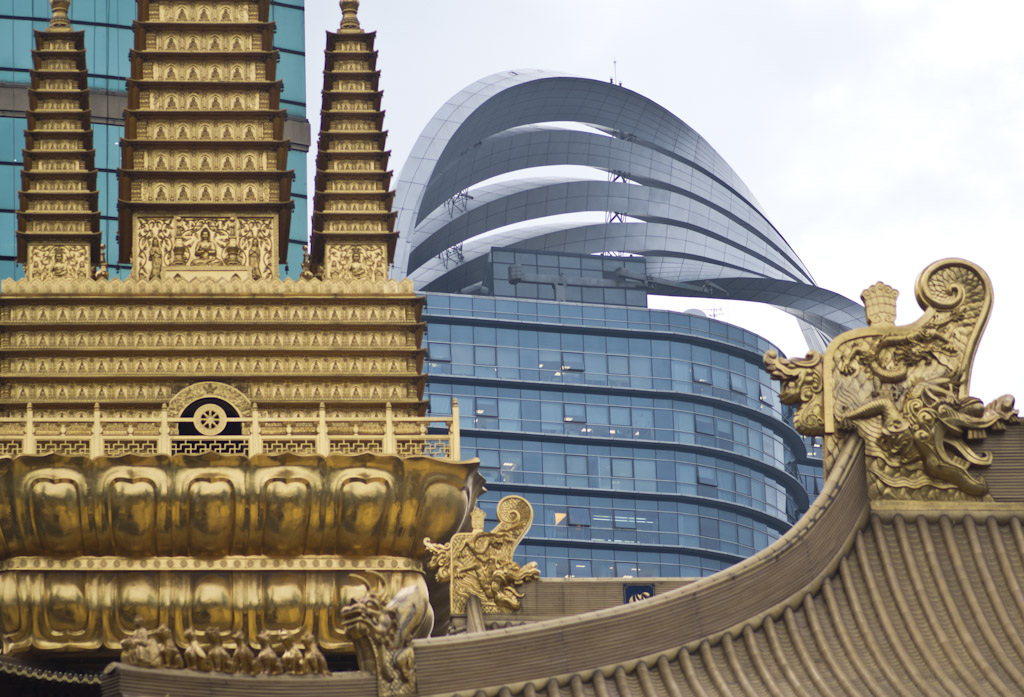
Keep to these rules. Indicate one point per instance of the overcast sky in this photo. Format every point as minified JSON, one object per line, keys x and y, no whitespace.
{"x":878,"y":135}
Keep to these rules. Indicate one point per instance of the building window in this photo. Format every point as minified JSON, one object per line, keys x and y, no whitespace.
{"x":484,"y":355}
{"x":737,"y":383}
{"x":705,"y":425}
{"x":766,"y":395}
{"x":579,"y":517}
{"x":574,"y":413}
{"x":439,"y":352}
{"x":572,"y":361}
{"x":701,"y":373}
{"x":486,"y":406}
{"x":625,"y":520}
{"x":707,"y":476}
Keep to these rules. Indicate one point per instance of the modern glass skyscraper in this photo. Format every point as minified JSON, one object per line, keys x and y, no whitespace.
{"x":539,"y":211}
{"x":650,"y":443}
{"x":108,"y":34}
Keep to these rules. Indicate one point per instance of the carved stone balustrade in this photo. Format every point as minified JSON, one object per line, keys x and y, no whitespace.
{"x":113,"y":435}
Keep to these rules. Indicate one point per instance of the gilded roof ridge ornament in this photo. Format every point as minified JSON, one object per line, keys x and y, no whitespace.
{"x":479,"y":563}
{"x":59,"y":15}
{"x":904,"y":389}
{"x":349,"y":18}
{"x":880,"y":304}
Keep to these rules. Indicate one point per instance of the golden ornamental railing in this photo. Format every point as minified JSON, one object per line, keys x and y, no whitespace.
{"x":254,"y":434}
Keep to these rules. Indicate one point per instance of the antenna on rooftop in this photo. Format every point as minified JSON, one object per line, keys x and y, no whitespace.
{"x":615,"y":73}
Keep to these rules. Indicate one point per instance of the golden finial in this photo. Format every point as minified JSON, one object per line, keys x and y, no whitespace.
{"x":477,"y":518}
{"x":349,"y":21}
{"x":59,"y":17}
{"x":880,"y":304}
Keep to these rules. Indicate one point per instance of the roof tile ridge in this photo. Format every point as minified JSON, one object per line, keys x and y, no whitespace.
{"x":825,"y":650}
{"x":969,"y":595}
{"x":849,"y":646}
{"x":882,"y":607}
{"x":952,"y":656}
{"x":799,"y":650}
{"x":1009,"y":576}
{"x":981,"y":561}
{"x":762,"y":666}
{"x":939,"y":583}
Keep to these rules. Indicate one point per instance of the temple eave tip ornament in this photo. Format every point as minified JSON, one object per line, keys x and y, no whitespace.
{"x":904,"y":389}
{"x":478,"y":564}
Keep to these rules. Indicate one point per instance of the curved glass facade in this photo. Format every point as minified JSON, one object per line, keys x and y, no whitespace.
{"x":108,"y":37}
{"x":490,"y":170}
{"x":650,"y":443}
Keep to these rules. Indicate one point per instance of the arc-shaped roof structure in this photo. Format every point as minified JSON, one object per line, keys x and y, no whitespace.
{"x":675,"y":201}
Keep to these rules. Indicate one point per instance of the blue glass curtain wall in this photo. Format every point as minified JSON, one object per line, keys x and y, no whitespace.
{"x":649,"y":442}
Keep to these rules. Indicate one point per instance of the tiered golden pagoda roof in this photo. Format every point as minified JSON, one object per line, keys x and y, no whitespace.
{"x":204,"y":184}
{"x":353,"y":224}
{"x":58,"y":221}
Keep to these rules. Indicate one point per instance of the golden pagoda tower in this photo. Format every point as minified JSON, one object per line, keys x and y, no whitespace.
{"x":353,"y":224}
{"x":204,"y":452}
{"x":59,"y":221}
{"x":204,"y":189}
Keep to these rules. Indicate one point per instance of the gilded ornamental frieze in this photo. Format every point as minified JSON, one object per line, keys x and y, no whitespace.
{"x":295,"y":313}
{"x":189,"y":245}
{"x":89,"y":610}
{"x":246,"y":545}
{"x":264,"y":341}
{"x":200,"y":287}
{"x":904,"y":389}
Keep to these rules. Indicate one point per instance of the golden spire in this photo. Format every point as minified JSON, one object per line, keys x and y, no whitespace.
{"x":59,"y":19}
{"x":353,"y":224}
{"x":349,"y":21}
{"x":58,"y":216}
{"x":206,"y":191}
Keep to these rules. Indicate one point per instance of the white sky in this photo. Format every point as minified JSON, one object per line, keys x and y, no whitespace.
{"x":879,"y":135}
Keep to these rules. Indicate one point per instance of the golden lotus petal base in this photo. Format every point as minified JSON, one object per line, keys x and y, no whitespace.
{"x":58,"y":610}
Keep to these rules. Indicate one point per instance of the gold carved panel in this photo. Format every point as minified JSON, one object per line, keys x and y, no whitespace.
{"x":358,"y":341}
{"x":52,"y":606}
{"x":166,"y":245}
{"x":58,"y":262}
{"x":358,"y":262}
{"x":363,"y":312}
